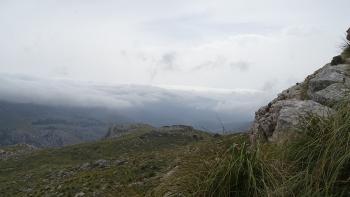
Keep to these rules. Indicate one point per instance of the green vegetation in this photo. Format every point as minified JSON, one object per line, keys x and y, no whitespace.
{"x":317,"y":163}
{"x":191,"y":163}
{"x":346,"y":50}
{"x":129,"y":165}
{"x":241,"y":173}
{"x":321,"y":157}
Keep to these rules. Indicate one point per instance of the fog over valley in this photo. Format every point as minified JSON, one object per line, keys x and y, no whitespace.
{"x":201,"y":107}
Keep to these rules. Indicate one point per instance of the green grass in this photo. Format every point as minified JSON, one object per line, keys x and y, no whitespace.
{"x":316,"y":163}
{"x":53,"y":172}
{"x":241,"y":173}
{"x":321,"y":157}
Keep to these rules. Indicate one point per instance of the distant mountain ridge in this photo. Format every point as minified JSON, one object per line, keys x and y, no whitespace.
{"x":55,"y":126}
{"x":49,"y":126}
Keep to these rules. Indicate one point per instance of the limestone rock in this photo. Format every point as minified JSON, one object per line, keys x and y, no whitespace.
{"x":285,"y":115}
{"x":330,"y":85}
{"x":332,"y":94}
{"x":292,"y":111}
{"x":316,"y":96}
{"x":327,"y":76}
{"x":101,"y":163}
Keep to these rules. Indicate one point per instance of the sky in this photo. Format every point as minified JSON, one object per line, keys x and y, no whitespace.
{"x":223,"y":45}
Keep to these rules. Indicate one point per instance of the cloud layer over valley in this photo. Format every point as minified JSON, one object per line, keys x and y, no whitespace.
{"x":151,"y":104}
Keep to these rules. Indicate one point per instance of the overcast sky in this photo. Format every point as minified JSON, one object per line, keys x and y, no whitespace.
{"x":223,"y":44}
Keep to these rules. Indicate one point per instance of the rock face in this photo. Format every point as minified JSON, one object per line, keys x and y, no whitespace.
{"x":316,"y":95}
{"x":121,"y":129}
{"x":14,"y":151}
{"x":183,"y":128}
{"x":330,"y":84}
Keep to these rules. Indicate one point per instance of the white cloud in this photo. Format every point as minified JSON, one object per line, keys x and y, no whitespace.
{"x":19,"y":88}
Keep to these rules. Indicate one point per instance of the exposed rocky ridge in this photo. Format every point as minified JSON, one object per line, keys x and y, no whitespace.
{"x":122,"y":129}
{"x":12,"y":152}
{"x":317,"y":94}
{"x":118,"y":130}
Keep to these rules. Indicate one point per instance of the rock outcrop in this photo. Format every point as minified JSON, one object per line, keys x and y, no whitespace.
{"x":15,"y":151}
{"x":122,"y":129}
{"x":182,"y":128}
{"x":317,"y":95}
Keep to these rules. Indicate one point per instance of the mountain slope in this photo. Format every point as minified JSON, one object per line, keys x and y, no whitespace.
{"x":129,"y":165}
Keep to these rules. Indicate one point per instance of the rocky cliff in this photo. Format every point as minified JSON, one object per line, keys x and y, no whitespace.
{"x":316,"y":95}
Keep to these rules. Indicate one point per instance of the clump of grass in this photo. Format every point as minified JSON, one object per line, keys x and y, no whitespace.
{"x":346,"y":50}
{"x":242,"y":172}
{"x":192,"y":170}
{"x":316,"y":163}
{"x":321,"y":156}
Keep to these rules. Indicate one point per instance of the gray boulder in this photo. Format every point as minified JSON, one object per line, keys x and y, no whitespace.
{"x":330,"y":85}
{"x":101,"y":163}
{"x":331,"y":94}
{"x":328,"y":75}
{"x":283,"y":116}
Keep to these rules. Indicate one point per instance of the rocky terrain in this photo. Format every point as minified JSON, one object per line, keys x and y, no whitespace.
{"x":123,"y":129}
{"x":118,"y":130}
{"x":16,"y":151}
{"x":316,"y":95}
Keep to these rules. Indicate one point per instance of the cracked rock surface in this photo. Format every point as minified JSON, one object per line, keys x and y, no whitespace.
{"x":316,"y":95}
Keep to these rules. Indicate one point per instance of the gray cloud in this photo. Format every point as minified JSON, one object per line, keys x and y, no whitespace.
{"x":22,"y":88}
{"x":166,"y":62}
{"x":217,"y":63}
{"x":240,"y":65}
{"x":222,"y":62}
{"x":137,"y":102}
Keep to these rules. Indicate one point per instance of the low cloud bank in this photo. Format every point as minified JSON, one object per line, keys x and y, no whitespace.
{"x":159,"y":105}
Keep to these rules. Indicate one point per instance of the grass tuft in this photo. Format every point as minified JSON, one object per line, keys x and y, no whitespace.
{"x":346,"y":50}
{"x":316,"y":163}
{"x":241,"y":173}
{"x":321,"y":157}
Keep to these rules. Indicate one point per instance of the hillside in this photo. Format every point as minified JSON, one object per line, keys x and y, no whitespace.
{"x":133,"y":164}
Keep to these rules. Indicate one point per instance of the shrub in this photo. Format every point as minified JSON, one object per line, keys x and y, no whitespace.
{"x":346,"y":50}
